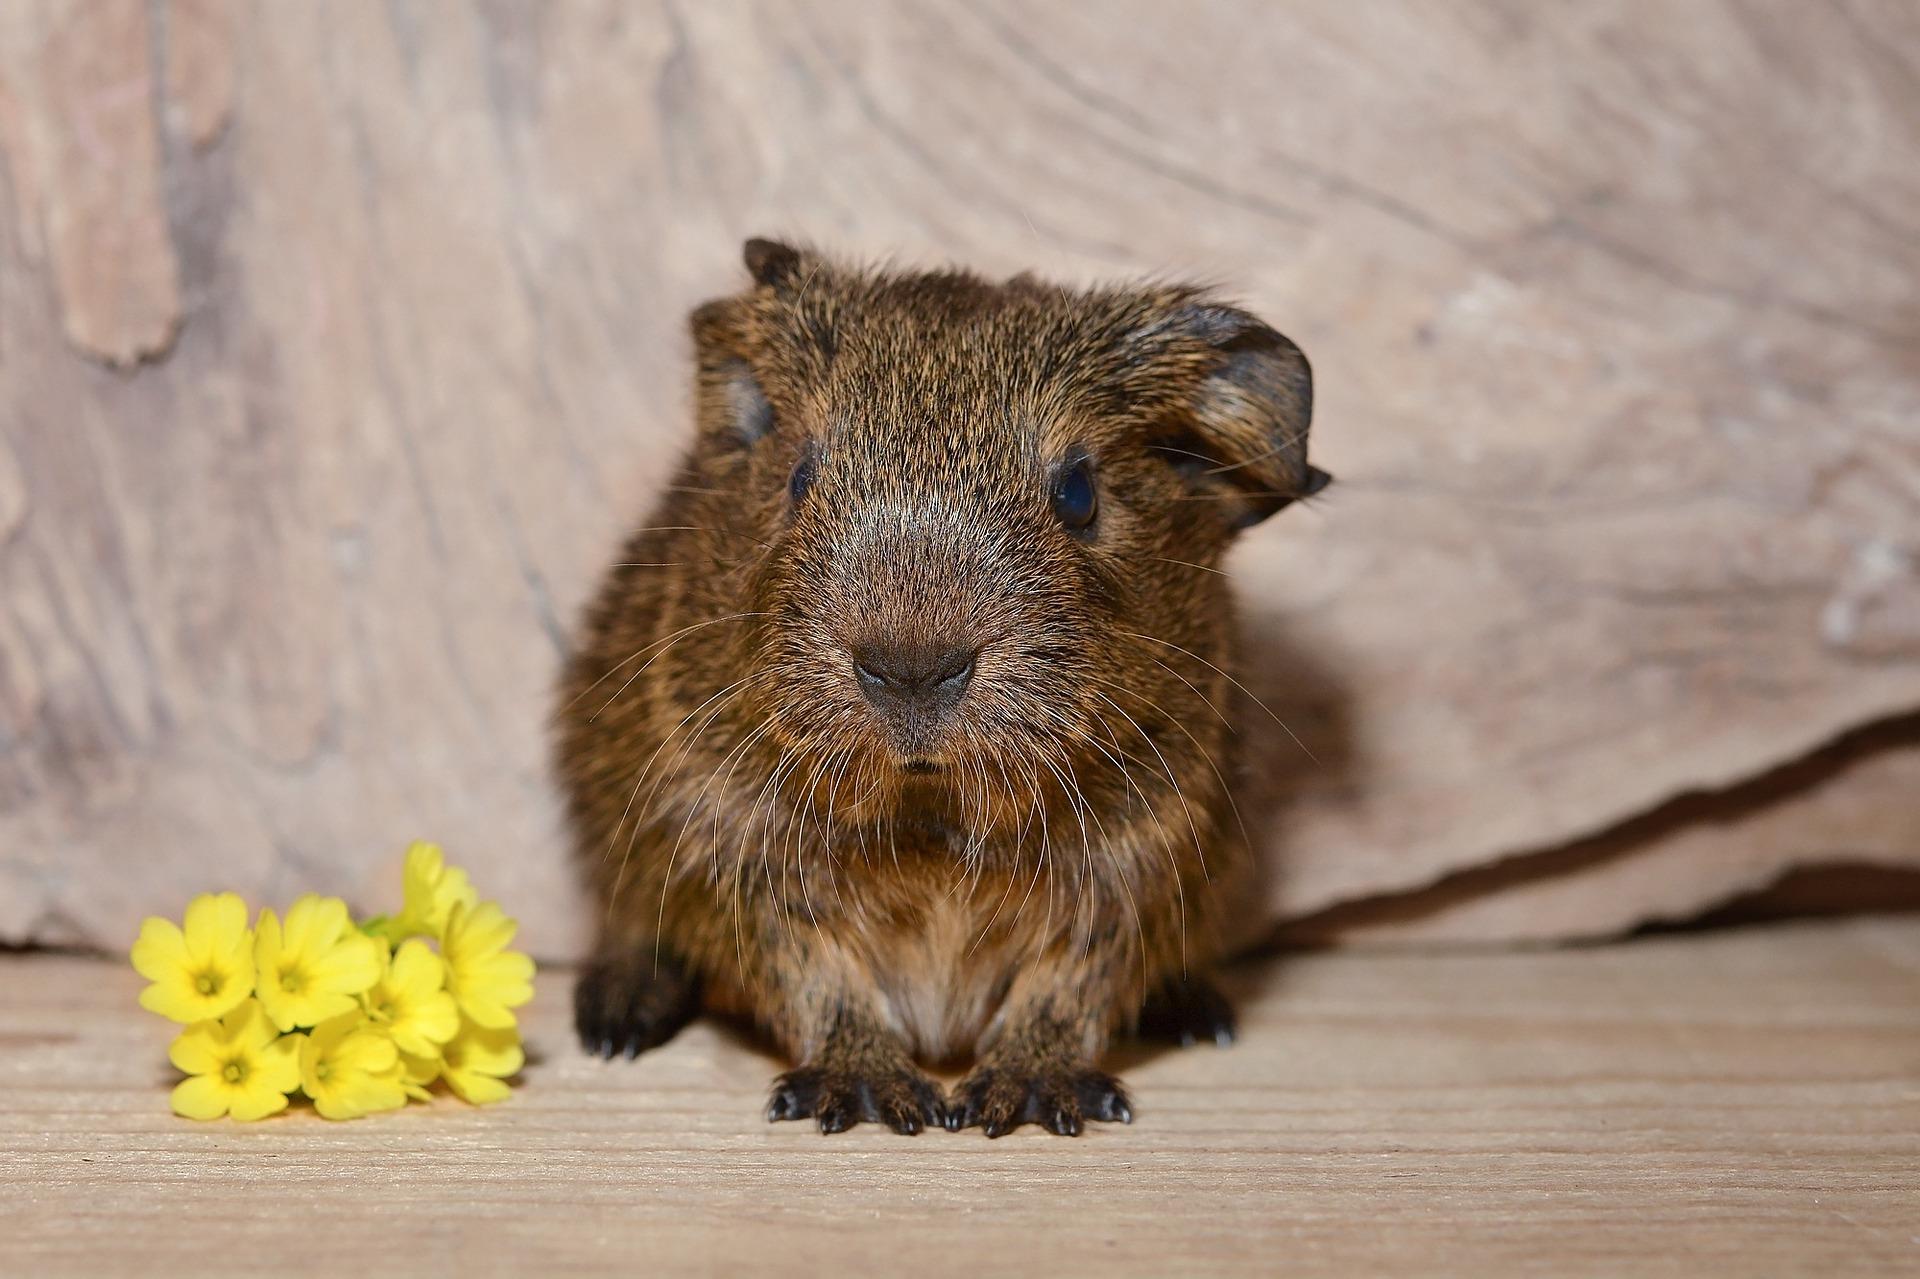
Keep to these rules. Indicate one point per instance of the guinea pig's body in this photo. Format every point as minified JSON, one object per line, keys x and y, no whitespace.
{"x":904,"y":727}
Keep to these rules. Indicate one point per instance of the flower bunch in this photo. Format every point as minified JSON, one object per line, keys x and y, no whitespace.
{"x":356,"y":1018}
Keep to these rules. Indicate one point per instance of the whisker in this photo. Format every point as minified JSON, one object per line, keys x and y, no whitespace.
{"x":1204,"y":568}
{"x":1221,"y":468}
{"x":746,"y":743}
{"x":1226,"y":790}
{"x":723,"y":563}
{"x":724,"y":693}
{"x":670,"y":641}
{"x":614,"y":669}
{"x":986,"y":929}
{"x":795,"y":830}
{"x":1237,"y":684}
{"x":693,"y":805}
{"x":620,"y":875}
{"x":1205,"y":700}
{"x":1198,"y":844}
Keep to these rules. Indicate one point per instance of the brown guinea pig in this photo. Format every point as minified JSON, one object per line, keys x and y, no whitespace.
{"x":903,"y":728}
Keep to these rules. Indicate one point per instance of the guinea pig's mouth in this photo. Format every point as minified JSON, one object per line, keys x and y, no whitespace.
{"x":920,"y":766}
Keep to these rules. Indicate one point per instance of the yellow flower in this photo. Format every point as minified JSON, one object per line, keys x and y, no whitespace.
{"x":238,"y":1065}
{"x":487,"y":980}
{"x":410,"y":1001}
{"x":312,"y":969}
{"x":431,"y":890}
{"x":203,"y":972}
{"x":478,"y":1060}
{"x":351,"y":1069}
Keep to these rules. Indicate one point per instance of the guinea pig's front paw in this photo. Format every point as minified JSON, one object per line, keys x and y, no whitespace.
{"x":838,"y":1098}
{"x":998,"y":1099}
{"x":625,"y":1006}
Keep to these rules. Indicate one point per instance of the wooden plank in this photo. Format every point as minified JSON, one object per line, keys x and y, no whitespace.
{"x":1744,"y":1103}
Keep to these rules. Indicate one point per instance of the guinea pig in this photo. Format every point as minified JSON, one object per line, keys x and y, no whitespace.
{"x":904,"y":727}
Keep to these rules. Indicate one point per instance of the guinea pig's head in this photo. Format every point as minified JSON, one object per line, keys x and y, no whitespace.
{"x":983,"y":521}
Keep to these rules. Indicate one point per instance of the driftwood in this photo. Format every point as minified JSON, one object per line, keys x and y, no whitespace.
{"x":338,"y":344}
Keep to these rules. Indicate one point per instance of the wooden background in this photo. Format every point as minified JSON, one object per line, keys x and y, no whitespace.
{"x":339,"y":343}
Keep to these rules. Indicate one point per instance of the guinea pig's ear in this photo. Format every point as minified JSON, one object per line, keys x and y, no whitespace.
{"x":732,"y":409}
{"x":1245,"y":431}
{"x":787,"y":274}
{"x":774,"y":265}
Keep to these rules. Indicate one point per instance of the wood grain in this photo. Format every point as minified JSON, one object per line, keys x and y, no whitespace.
{"x":1614,"y":316}
{"x":1743,"y":1103}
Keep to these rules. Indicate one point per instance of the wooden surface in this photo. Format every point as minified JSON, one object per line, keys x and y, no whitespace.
{"x":1746,"y":1103}
{"x":340,"y":343}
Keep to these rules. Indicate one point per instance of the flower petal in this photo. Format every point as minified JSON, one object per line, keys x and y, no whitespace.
{"x":236,"y":961}
{"x":490,"y":989}
{"x":379,"y":1094}
{"x":477,"y":1089}
{"x":177,"y":1000}
{"x":282,"y":1009}
{"x":495,"y":1052}
{"x":360,"y":1094}
{"x":430,"y":1022}
{"x":278,"y":1065}
{"x":160,"y":951}
{"x":249,"y":1026}
{"x":320,"y":1046}
{"x":422,"y":870}
{"x":241,"y":975}
{"x":201,"y":1097}
{"x":311,"y":924}
{"x":215,"y":924}
{"x":454,"y":892}
{"x":328,"y":1034}
{"x":416,"y":970}
{"x":257,"y":1099}
{"x":348,"y":966}
{"x":367,"y":1051}
{"x":269,"y":941}
{"x":418,"y":1071}
{"x":196,"y":1050}
{"x":483,"y":928}
{"x":334,"y":1104}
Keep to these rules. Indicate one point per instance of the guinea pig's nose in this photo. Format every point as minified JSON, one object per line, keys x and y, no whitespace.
{"x":912,"y":677}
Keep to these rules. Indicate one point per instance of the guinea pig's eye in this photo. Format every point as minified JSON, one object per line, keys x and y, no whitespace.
{"x":802,"y":478}
{"x":1075,"y":499}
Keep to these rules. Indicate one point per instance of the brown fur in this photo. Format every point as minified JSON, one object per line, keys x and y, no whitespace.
{"x":750,"y":825}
